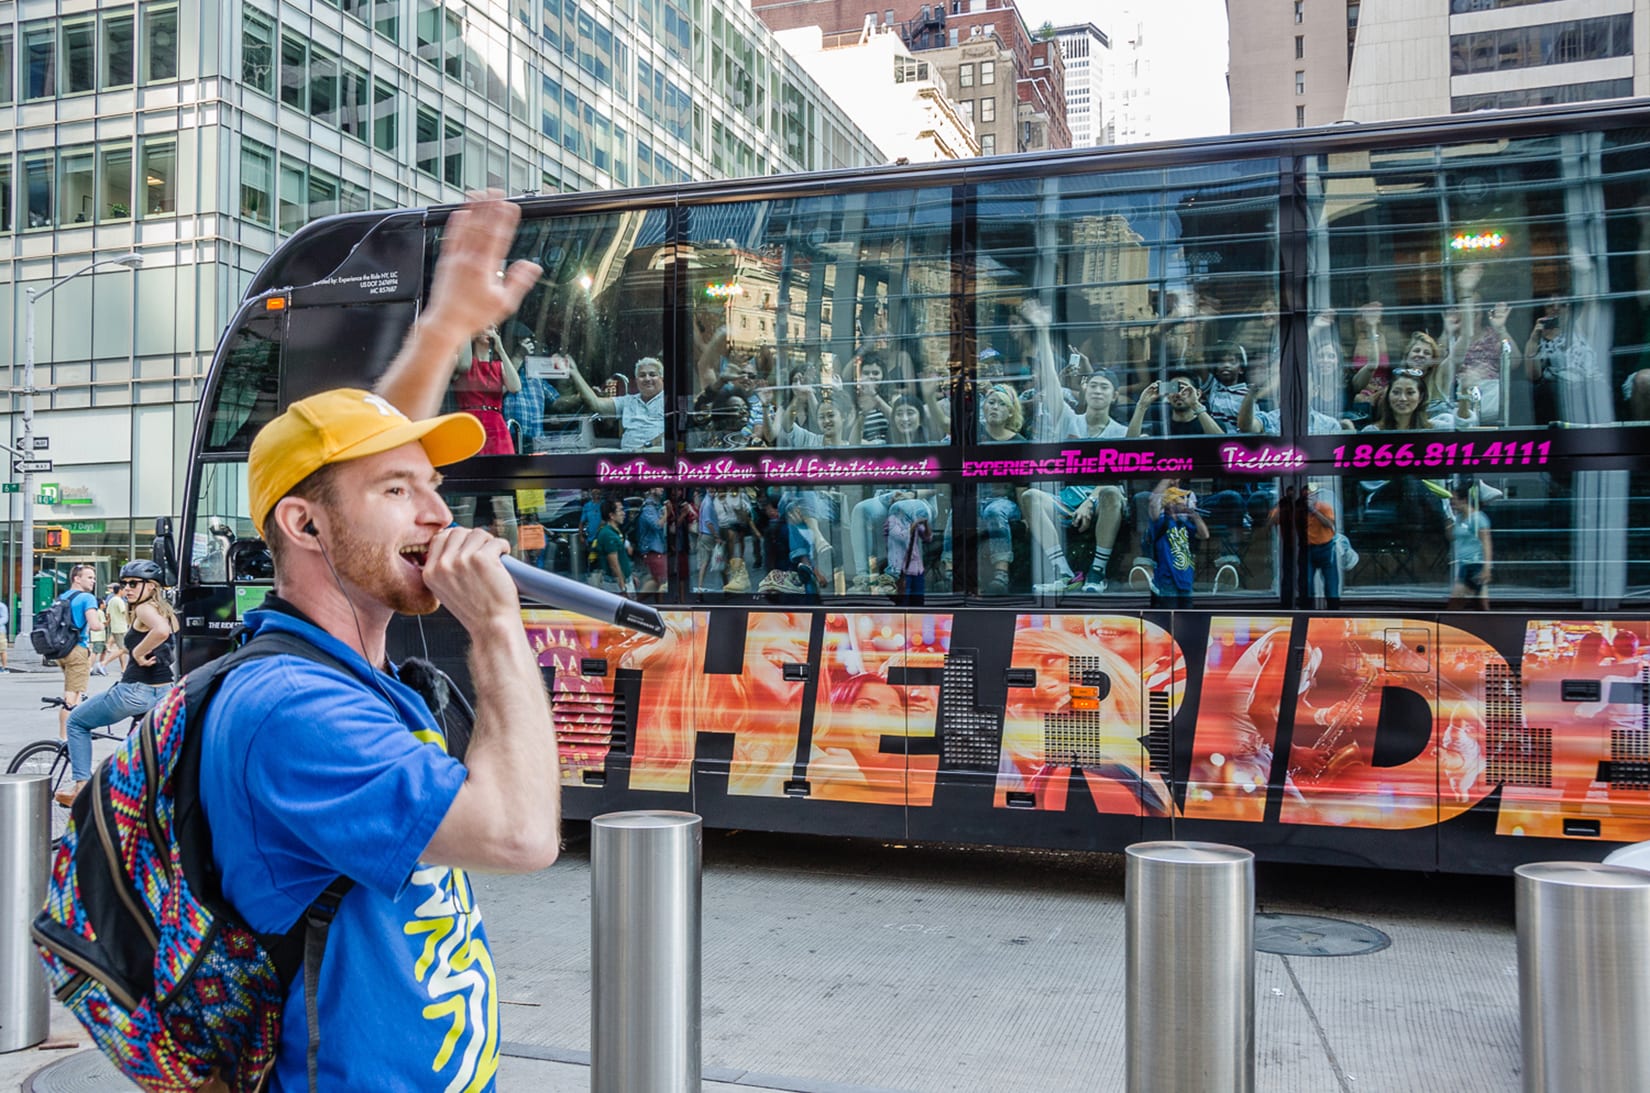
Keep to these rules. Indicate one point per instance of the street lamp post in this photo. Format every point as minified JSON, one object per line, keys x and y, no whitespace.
{"x":26,"y":602}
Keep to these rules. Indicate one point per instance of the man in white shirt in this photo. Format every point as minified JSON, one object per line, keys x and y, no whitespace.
{"x":641,"y":415}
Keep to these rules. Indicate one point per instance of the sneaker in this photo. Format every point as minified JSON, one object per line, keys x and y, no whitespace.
{"x":771,"y":581}
{"x":1051,"y":588}
{"x":860,"y":585}
{"x":99,"y":670}
{"x":1094,"y":585}
{"x":884,"y":584}
{"x":996,"y":586}
{"x":789,"y":583}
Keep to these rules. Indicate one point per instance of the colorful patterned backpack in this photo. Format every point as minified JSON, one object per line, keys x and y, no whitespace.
{"x":138,"y":942}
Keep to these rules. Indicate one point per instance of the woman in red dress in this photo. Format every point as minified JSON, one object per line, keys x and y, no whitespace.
{"x":483,"y":377}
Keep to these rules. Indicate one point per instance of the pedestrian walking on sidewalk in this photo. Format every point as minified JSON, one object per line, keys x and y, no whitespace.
{"x":320,"y":767}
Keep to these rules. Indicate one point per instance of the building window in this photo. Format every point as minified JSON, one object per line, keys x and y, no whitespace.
{"x":352,"y":101}
{"x":1300,"y":83}
{"x":160,"y":42}
{"x":114,"y":183}
{"x":1300,"y":117}
{"x":1543,"y":96}
{"x":258,"y":54}
{"x":40,"y":66}
{"x":988,"y":144}
{"x":323,"y":86}
{"x":8,"y":74}
{"x":79,"y":55}
{"x":988,"y":109}
{"x":1550,"y":43}
{"x":294,"y":196}
{"x":257,"y":183}
{"x":5,"y":193}
{"x":1300,"y":47}
{"x":323,"y":194}
{"x":38,"y":190}
{"x":965,"y":75}
{"x":988,"y":73}
{"x":160,"y":176}
{"x":386,"y":117}
{"x":428,"y":26}
{"x":117,"y":59}
{"x":295,"y":72}
{"x":967,"y":108}
{"x":1300,"y":11}
{"x":427,"y":135}
{"x":76,"y":181}
{"x":452,"y":153}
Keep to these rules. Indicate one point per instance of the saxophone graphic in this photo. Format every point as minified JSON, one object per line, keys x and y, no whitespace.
{"x":1335,"y":750}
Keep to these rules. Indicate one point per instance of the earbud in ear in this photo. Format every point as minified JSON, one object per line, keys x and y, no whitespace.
{"x":309,"y":529}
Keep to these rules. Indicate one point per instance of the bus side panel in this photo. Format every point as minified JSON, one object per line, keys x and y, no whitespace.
{"x":1038,"y":731}
{"x":796,"y":729}
{"x":1559,"y":752}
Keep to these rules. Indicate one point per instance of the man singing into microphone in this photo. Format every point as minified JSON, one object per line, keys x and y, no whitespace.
{"x":311,"y":771}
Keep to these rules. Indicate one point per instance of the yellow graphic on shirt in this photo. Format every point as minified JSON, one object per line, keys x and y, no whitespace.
{"x":457,"y":971}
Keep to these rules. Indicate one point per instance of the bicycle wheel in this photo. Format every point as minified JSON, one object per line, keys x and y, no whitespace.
{"x":51,"y":758}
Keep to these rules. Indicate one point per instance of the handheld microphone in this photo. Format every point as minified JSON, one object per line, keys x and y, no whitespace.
{"x":566,"y":594}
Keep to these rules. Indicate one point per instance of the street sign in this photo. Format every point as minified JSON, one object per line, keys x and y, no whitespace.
{"x":11,"y":487}
{"x":41,"y":443}
{"x":31,"y":466}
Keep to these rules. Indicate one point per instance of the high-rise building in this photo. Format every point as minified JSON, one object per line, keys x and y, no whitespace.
{"x":1312,"y":62}
{"x":1008,"y":82}
{"x":1289,"y":61}
{"x":199,"y":134}
{"x":901,"y":102}
{"x":1087,"y":53}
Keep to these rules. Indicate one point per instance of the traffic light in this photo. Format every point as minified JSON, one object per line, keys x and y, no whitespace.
{"x":57,"y":539}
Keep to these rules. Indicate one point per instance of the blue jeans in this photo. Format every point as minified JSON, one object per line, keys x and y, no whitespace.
{"x":1320,"y":558}
{"x":122,"y":701}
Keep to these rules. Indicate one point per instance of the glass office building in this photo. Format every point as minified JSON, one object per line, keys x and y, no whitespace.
{"x":200,"y":134}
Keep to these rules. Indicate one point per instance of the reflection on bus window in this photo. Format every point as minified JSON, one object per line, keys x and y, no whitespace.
{"x":1166,"y":537}
{"x":829,"y":319}
{"x":246,"y":395}
{"x":578,"y":367}
{"x":1470,"y":265}
{"x":676,"y":542}
{"x":1128,"y":304}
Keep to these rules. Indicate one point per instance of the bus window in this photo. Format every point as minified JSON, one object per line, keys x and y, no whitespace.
{"x":580,"y":367}
{"x":220,"y":522}
{"x":1141,"y":277}
{"x":1127,"y":537}
{"x":1469,"y":265}
{"x":245,"y":399}
{"x":821,"y":322}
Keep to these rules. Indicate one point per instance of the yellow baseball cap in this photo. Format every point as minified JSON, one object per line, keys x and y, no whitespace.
{"x":338,"y":426}
{"x":1174,"y":495}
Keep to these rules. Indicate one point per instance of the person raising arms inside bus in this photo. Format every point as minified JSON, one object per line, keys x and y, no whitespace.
{"x":148,"y":639}
{"x":1187,"y":414}
{"x":641,"y":415}
{"x":311,"y":771}
{"x":485,"y":374}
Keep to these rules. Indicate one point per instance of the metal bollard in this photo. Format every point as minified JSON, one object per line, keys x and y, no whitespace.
{"x":1583,"y":976}
{"x":25,"y":858}
{"x":644,"y":952}
{"x":1190,"y":980}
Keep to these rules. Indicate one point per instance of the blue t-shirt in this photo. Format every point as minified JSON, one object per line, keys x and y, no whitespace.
{"x":307,"y":773}
{"x":78,"y":606}
{"x":1172,"y":547}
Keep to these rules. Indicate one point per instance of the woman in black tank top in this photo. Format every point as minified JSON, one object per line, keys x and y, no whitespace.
{"x":148,"y":673}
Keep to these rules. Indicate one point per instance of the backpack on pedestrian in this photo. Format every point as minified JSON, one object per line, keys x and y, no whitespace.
{"x":137,"y":938}
{"x":55,"y":635}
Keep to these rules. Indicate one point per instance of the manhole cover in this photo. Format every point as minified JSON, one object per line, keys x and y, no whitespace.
{"x":1311,"y":935}
{"x":82,"y":1072}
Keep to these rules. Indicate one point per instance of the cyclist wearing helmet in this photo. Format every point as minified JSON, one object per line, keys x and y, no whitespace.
{"x":147,"y":676}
